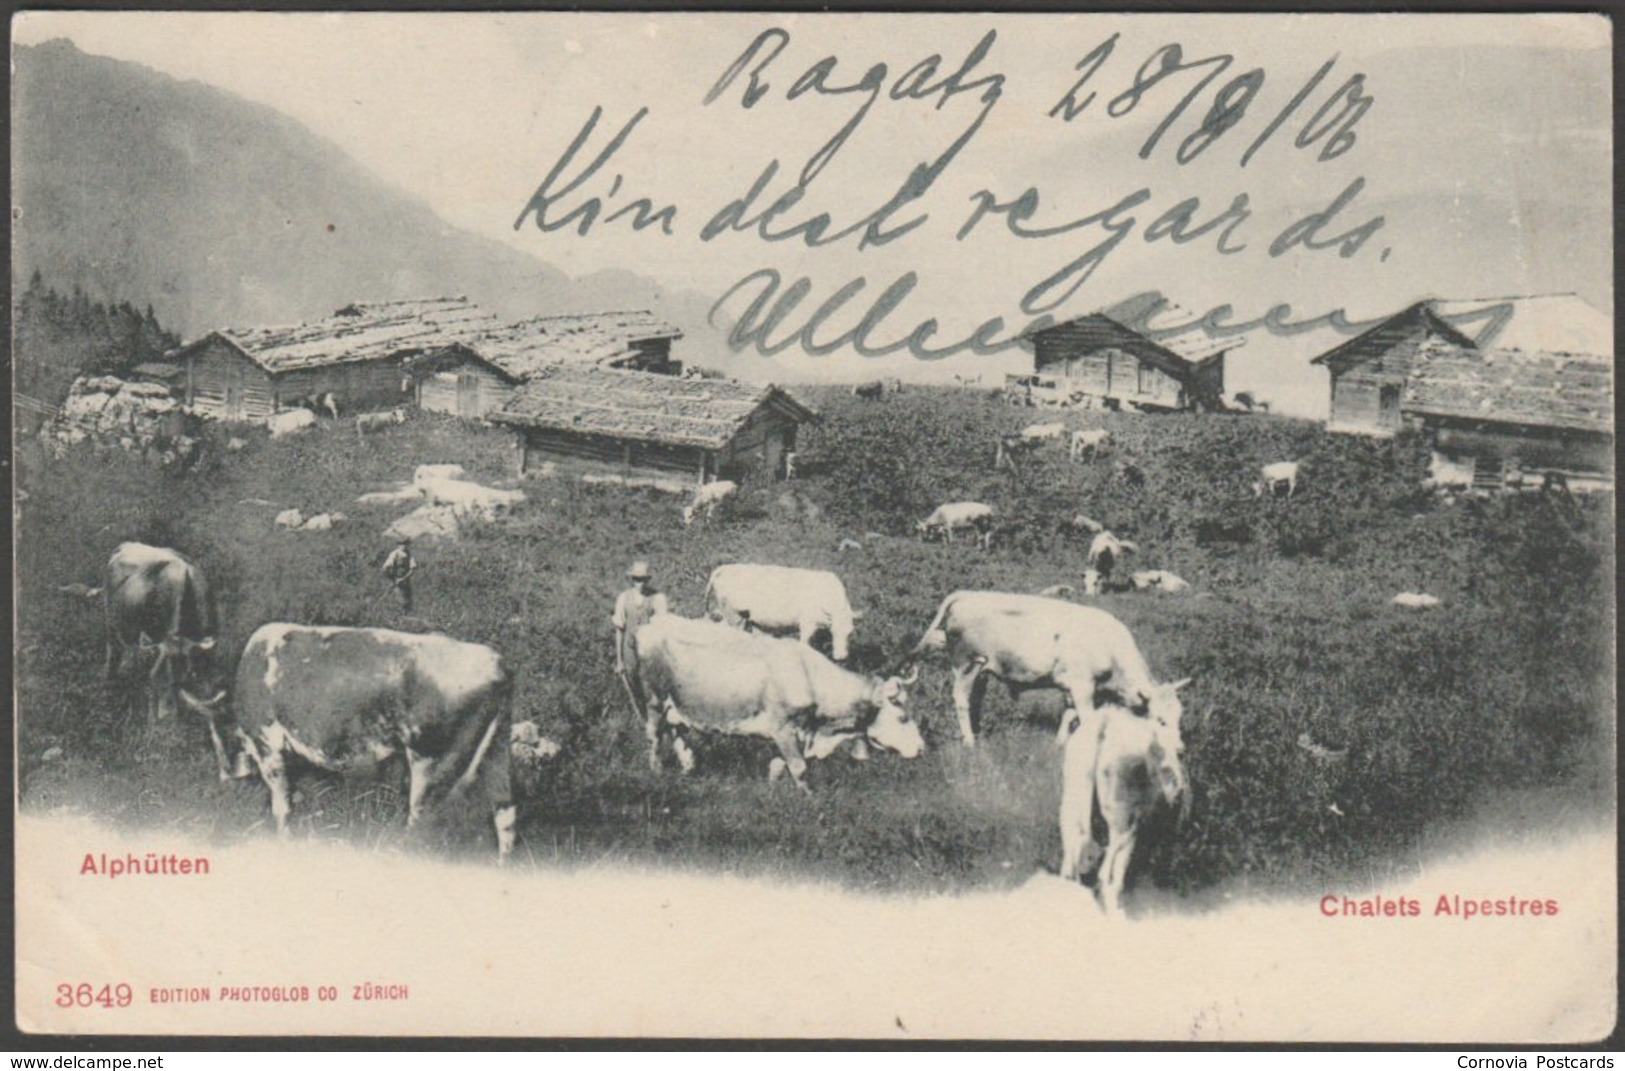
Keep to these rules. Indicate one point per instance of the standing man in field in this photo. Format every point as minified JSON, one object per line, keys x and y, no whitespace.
{"x":633,"y":609}
{"x":398,"y":570}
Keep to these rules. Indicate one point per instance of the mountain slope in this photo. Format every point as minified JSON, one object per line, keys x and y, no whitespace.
{"x":136,"y":186}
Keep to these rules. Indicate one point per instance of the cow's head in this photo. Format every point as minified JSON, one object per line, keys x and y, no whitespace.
{"x":179,"y":661}
{"x":1166,"y":757}
{"x":892,"y":726}
{"x":1091,"y":581}
{"x":1163,"y":707}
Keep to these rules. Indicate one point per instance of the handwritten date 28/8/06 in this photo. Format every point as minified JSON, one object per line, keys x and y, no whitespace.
{"x":1331,"y":125}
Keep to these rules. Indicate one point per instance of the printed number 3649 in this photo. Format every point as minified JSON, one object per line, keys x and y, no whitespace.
{"x":86,"y":995}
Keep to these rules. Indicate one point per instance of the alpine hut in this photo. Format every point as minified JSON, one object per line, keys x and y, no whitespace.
{"x":1097,"y":357}
{"x":1370,"y":370}
{"x":1509,"y":418}
{"x":477,"y":375}
{"x":357,"y":355}
{"x":642,"y":425}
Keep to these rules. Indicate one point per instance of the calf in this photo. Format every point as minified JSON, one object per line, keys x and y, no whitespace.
{"x":1090,"y":439}
{"x":1159,"y":580}
{"x":1275,"y":476}
{"x":708,"y":498}
{"x":1135,"y":767}
{"x":291,"y":422}
{"x":1106,"y":553}
{"x":370,"y":422}
{"x":870,"y":391}
{"x":946,"y":518}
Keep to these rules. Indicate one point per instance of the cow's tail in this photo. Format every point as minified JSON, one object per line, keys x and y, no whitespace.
{"x":705,"y":600}
{"x":935,"y":638}
{"x":498,"y":735}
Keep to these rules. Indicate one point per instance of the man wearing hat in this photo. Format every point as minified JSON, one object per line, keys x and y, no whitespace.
{"x":633,"y":609}
{"x":398,"y":570}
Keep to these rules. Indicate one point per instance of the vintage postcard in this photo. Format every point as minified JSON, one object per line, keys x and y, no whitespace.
{"x":891,"y":526}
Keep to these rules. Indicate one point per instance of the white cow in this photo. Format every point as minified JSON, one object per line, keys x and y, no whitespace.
{"x":708,"y":498}
{"x":1159,"y":580}
{"x":1416,"y":600}
{"x":291,"y":422}
{"x":778,"y":598}
{"x":1135,"y":766}
{"x":1274,"y":476}
{"x":367,"y":422}
{"x":1044,"y":433}
{"x":1106,"y":553}
{"x":946,"y":518}
{"x":1090,"y":439}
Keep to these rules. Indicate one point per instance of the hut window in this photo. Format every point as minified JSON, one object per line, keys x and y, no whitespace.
{"x":1144,"y":378}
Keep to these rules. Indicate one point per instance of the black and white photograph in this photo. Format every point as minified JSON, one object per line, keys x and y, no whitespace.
{"x":906,"y":527}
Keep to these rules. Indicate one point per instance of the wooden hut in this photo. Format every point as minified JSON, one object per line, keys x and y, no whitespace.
{"x":650,"y":426}
{"x":1095,"y":356}
{"x":358,"y":355}
{"x":1508,"y":418}
{"x":1370,"y":370}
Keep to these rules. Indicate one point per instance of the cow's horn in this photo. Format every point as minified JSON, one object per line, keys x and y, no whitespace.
{"x":1177,"y":685}
{"x":205,"y":644}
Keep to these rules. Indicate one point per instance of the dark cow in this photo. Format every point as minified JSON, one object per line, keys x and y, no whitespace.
{"x":348,"y":698}
{"x":156,"y":601}
{"x":870,"y":391}
{"x":707,"y":676}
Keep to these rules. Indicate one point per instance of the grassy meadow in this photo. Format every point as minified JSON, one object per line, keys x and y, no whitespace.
{"x":1506,"y":692}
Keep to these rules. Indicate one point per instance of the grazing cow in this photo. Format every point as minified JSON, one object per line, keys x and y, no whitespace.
{"x":707,"y":676}
{"x":1416,"y":600}
{"x":946,"y":518}
{"x":1010,"y":450}
{"x":777,"y":598}
{"x":708,"y":498}
{"x":291,"y":422}
{"x":1044,"y":433}
{"x":1275,"y":476}
{"x":1159,"y":580}
{"x":1057,"y":591}
{"x":968,"y":381}
{"x":155,"y":599}
{"x":1029,"y":641}
{"x":1136,"y":766}
{"x":1090,"y":439}
{"x":1106,"y":553}
{"x":870,"y":391}
{"x":894,"y":386}
{"x":344,"y":699}
{"x":371,"y":422}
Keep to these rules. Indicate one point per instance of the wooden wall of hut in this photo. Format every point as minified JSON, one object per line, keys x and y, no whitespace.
{"x":597,"y":453}
{"x":359,"y":386}
{"x":224,"y":384}
{"x":1110,"y":373}
{"x":470,"y":390}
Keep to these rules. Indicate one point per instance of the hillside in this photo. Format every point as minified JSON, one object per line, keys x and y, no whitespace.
{"x":134,"y":186}
{"x":1505,"y":692}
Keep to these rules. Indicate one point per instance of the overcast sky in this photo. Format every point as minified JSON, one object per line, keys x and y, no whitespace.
{"x":1485,"y":145}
